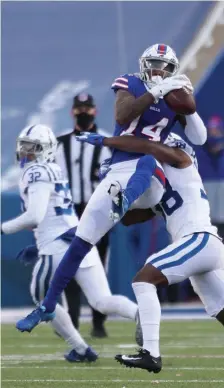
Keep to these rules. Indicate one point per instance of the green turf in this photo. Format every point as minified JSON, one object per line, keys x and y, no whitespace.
{"x":193,"y":356}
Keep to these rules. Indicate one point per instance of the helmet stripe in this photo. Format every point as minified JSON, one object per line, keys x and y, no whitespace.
{"x":29,"y":130}
{"x":162,"y":49}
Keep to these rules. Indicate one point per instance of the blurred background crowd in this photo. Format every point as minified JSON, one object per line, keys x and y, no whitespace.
{"x":52,"y":52}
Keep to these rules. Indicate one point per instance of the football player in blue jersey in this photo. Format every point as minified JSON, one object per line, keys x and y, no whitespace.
{"x":140,"y":108}
{"x":133,"y":179}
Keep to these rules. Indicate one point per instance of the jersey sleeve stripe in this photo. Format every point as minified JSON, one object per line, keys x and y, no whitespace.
{"x":119,"y":85}
{"x":121,"y":79}
{"x":50,"y":178}
{"x":52,"y":172}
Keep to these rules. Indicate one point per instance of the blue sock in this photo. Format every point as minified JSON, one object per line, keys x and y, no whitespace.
{"x":140,"y":181}
{"x":65,"y":271}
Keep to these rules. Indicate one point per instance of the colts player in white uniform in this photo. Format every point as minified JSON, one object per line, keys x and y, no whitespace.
{"x":196,"y":252}
{"x":49,"y":212}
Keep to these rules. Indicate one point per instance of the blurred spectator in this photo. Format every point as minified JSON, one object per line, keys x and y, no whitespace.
{"x":80,"y":163}
{"x":215,"y":148}
{"x":216,"y":138}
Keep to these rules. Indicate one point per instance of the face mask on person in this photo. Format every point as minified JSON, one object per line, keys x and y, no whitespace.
{"x":84,"y":120}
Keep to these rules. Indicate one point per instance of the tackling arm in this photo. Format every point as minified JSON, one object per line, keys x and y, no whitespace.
{"x":39,"y":194}
{"x":164,"y":154}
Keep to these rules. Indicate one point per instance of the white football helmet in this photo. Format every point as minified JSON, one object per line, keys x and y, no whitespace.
{"x":158,"y":57}
{"x":174,"y":140}
{"x":36,"y":143}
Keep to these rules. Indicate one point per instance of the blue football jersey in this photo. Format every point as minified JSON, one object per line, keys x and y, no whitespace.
{"x":154,"y":124}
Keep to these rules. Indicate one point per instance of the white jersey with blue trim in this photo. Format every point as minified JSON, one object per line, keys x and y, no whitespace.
{"x":185,"y":204}
{"x":60,"y":216}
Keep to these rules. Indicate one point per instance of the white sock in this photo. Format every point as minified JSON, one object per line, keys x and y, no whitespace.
{"x":63,"y":325}
{"x":150,"y":315}
{"x":117,"y":304}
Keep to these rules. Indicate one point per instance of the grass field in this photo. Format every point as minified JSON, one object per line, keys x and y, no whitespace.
{"x":193,"y":356}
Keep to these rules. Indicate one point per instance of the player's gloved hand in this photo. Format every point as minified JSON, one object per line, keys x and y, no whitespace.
{"x":187,"y":82}
{"x":166,"y":86}
{"x":28,"y":255}
{"x":2,"y":230}
{"x":91,"y":138}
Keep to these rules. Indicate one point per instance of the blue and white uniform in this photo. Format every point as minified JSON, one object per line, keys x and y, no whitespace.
{"x":154,"y":124}
{"x":48,"y":210}
{"x":46,"y":184}
{"x":59,"y":216}
{"x":197,"y":251}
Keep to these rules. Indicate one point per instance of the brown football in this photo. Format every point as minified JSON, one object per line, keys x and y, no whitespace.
{"x":181,"y":101}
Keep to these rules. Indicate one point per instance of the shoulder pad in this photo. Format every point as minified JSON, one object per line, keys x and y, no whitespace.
{"x":38,"y":173}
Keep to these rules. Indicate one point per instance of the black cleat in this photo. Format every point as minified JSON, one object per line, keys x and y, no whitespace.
{"x":142,"y":360}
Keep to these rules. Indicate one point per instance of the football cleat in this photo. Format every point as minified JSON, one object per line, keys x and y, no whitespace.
{"x":90,"y":356}
{"x":33,"y":319}
{"x":138,"y":331}
{"x":120,"y":204}
{"x":142,"y":360}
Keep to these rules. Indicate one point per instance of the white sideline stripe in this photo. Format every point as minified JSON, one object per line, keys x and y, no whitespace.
{"x":12,"y":315}
{"x":111,"y":381}
{"x":121,"y":346}
{"x":95,"y":367}
{"x":40,"y":358}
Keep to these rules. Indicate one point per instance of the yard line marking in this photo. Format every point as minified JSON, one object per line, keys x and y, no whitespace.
{"x":111,"y":381}
{"x":95,"y":367}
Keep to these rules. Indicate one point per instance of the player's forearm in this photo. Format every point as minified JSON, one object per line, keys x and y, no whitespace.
{"x":161,"y":152}
{"x":128,"y":110}
{"x":195,"y":129}
{"x":39,"y":195}
{"x":25,"y":221}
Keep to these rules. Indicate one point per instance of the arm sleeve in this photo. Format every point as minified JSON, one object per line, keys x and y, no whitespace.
{"x":38,"y":198}
{"x":195,"y":129}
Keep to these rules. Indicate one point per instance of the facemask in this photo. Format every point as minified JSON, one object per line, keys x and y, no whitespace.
{"x":84,"y":120}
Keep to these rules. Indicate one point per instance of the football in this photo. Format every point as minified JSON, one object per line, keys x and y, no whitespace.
{"x":181,"y":101}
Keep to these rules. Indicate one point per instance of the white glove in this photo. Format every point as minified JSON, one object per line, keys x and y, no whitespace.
{"x":166,"y":86}
{"x":188,"y":85}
